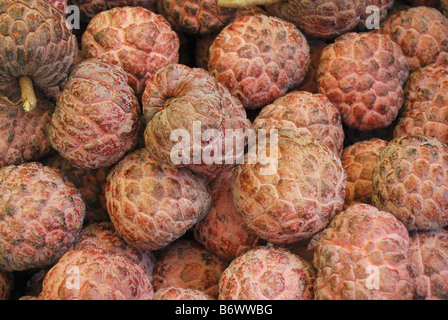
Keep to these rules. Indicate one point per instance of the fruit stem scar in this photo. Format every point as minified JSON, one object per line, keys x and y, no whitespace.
{"x":245,"y":3}
{"x":28,"y":96}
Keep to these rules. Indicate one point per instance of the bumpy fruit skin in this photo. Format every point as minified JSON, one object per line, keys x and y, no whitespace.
{"x":36,"y":42}
{"x":41,"y":214}
{"x":95,"y":274}
{"x":90,"y":182}
{"x":91,"y":8}
{"x":267,"y":273}
{"x":410,"y":180}
{"x":10,"y":91}
{"x":363,"y":76}
{"x":53,"y":93}
{"x":195,"y":16}
{"x":6,"y":284}
{"x":323,"y":19}
{"x":96,"y":118}
{"x":425,"y":109}
{"x":61,"y":5}
{"x":102,"y":235}
{"x":151,"y":204}
{"x":259,"y":58}
{"x":383,"y":5}
{"x":294,"y":198}
{"x":363,"y":255}
{"x":222,"y":230}
{"x":177,"y":293}
{"x":429,"y":263}
{"x":358,"y":160}
{"x":310,"y":82}
{"x":134,"y":38}
{"x":204,"y":41}
{"x":186,"y":264}
{"x":422,"y":33}
{"x":23,"y":135}
{"x":191,"y":101}
{"x":307,"y":113}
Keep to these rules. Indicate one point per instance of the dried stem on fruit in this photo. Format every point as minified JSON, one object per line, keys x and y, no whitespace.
{"x":29,"y":100}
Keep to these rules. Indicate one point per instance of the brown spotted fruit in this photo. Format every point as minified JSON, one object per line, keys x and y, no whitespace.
{"x":41,"y":214}
{"x":186,"y":264}
{"x":421,"y":32}
{"x":192,"y":121}
{"x":267,"y":273}
{"x":97,"y":116}
{"x":223,"y":231}
{"x":102,"y":235}
{"x":363,"y":255}
{"x":195,"y":16}
{"x":134,"y":38}
{"x":358,"y":160}
{"x":90,"y":182}
{"x":259,"y":58}
{"x":425,"y":110}
{"x":204,"y":41}
{"x":96,"y":274}
{"x":294,"y":192}
{"x":429,"y":262}
{"x":363,"y":76}
{"x":307,"y":113}
{"x":151,"y":204}
{"x":61,"y":5}
{"x":410,"y":180}
{"x":24,"y":135}
{"x":323,"y":19}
